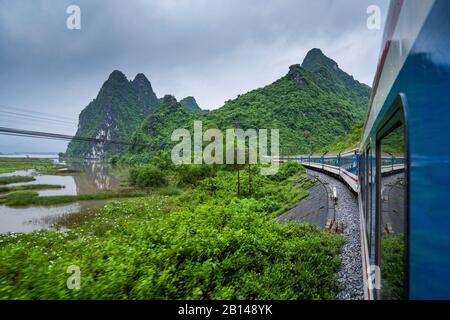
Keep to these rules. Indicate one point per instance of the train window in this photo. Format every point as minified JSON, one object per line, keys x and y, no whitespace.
{"x":362,"y":180}
{"x":367,"y":199}
{"x":391,"y":210}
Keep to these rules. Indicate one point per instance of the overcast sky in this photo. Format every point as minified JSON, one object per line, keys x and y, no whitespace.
{"x":210,"y":49}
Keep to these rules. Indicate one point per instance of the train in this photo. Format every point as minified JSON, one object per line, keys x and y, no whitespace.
{"x":399,"y":171}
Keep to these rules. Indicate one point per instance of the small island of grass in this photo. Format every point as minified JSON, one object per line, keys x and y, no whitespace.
{"x":30,"y":187}
{"x":15,"y":179}
{"x":26,"y":198}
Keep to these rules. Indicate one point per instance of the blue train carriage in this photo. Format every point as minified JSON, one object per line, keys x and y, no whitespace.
{"x":342,"y":165}
{"x":404,"y":181}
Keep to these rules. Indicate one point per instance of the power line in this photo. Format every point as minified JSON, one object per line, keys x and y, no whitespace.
{"x":56,"y":136}
{"x":35,"y":117}
{"x":6,"y":120}
{"x":31,"y":112}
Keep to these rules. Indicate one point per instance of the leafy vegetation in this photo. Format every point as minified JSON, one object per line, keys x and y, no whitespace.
{"x":190,"y":104}
{"x":201,"y":244}
{"x":346,"y":142}
{"x":393,"y":267}
{"x":30,"y":187}
{"x":26,"y":198}
{"x":15,"y":179}
{"x":288,"y":169}
{"x":394,"y":142}
{"x":59,"y":170}
{"x":14,"y":164}
{"x":193,"y":174}
{"x":114,"y":114}
{"x":311,"y":106}
{"x":148,"y":176}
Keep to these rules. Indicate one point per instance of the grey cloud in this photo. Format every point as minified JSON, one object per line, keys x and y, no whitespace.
{"x":211,"y":49}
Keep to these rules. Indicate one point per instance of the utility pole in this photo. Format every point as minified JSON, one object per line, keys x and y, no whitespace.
{"x":249,"y":179}
{"x":238,"y":169}
{"x":238,"y":182}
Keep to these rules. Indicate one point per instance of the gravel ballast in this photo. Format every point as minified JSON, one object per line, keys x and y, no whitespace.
{"x":350,"y":276}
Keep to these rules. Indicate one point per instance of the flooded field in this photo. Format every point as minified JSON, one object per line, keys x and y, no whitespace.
{"x":91,"y":177}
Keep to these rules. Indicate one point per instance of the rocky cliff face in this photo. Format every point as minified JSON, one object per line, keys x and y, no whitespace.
{"x":113,"y":115}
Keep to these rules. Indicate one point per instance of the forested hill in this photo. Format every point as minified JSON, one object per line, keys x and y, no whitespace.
{"x":311,"y":105}
{"x":114,"y":114}
{"x":190,"y":104}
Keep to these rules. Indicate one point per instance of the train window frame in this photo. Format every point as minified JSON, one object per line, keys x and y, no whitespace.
{"x":368,"y":196}
{"x":396,"y":118}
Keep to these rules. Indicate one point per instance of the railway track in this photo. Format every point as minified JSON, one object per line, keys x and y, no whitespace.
{"x":350,"y":277}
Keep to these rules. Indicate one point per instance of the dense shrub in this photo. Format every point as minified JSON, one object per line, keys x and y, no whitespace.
{"x":288,"y":169}
{"x":194,"y":173}
{"x":147,"y":176}
{"x":132,"y":176}
{"x":393,"y":262}
{"x":162,"y":160}
{"x":205,"y":245}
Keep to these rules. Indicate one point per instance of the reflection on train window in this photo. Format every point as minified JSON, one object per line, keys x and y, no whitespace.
{"x":370,"y":213}
{"x":392,"y":203}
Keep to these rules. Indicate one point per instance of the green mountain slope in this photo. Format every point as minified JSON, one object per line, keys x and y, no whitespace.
{"x":114,"y":114}
{"x":190,"y":104}
{"x":311,"y":105}
{"x":157,"y":128}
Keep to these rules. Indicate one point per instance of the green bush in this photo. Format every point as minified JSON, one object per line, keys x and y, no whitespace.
{"x":133,"y":175}
{"x":162,"y":160}
{"x":205,"y":245}
{"x":148,"y":176}
{"x":15,"y":179}
{"x":26,"y":198}
{"x":288,"y":169}
{"x":393,"y":266}
{"x":194,"y":173}
{"x":206,"y":254}
{"x":21,"y":198}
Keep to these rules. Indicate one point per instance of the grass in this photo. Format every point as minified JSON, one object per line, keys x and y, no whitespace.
{"x":30,"y":187}
{"x":27,"y":198}
{"x":15,"y":179}
{"x":393,"y":266}
{"x":59,"y":170}
{"x":42,"y":165}
{"x":13,"y":164}
{"x":71,"y":220}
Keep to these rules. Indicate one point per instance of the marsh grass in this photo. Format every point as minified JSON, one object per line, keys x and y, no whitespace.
{"x":60,"y":171}
{"x":13,"y":164}
{"x":26,"y":198}
{"x":70,"y":220}
{"x":15,"y":179}
{"x":31,"y":187}
{"x":205,"y":243}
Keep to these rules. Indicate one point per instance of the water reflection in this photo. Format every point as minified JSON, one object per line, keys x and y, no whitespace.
{"x":92,"y":177}
{"x":36,"y":218}
{"x":95,"y":177}
{"x":393,"y":214}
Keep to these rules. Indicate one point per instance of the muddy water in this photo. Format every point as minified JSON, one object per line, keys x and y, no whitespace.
{"x":93,"y":177}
